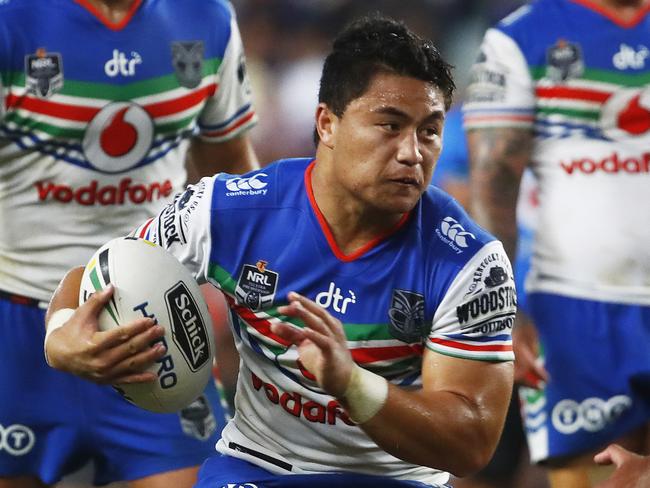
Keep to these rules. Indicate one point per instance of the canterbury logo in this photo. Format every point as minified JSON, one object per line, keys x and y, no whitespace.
{"x":253,"y":183}
{"x":455,"y":232}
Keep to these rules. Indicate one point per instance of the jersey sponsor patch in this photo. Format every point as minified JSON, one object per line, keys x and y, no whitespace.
{"x":256,"y":286}
{"x":43,"y":73}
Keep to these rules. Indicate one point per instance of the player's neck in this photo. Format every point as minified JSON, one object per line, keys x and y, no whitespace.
{"x":114,"y":11}
{"x":352,"y":224}
{"x":626,"y":10}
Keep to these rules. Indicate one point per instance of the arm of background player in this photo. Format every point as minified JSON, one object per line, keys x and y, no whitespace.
{"x":498,"y":157}
{"x":453,"y":423}
{"x":78,"y":347}
{"x":235,"y":156}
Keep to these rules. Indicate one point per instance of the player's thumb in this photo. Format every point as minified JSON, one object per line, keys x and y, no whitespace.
{"x":99,"y":299}
{"x":611,"y":455}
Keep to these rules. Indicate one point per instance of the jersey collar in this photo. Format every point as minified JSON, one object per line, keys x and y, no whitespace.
{"x":328,"y":233}
{"x":113,"y":26}
{"x":611,"y":15}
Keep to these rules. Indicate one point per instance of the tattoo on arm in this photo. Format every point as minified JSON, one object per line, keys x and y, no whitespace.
{"x":498,"y":158}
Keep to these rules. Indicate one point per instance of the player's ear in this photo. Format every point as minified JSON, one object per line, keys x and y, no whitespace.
{"x":326,"y":125}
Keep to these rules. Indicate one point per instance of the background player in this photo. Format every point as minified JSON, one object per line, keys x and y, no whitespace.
{"x":572,"y":101}
{"x":99,"y":102}
{"x":404,"y":350}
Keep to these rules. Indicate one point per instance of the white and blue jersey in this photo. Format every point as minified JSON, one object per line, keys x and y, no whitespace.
{"x":579,"y":78}
{"x":436,"y":281}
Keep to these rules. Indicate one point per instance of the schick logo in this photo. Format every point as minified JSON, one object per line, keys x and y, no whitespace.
{"x":188,"y":327}
{"x":628,"y":57}
{"x":334,"y":298}
{"x":120,"y":65}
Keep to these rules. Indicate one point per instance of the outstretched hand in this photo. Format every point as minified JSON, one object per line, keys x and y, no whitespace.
{"x":632,"y":470}
{"x":118,"y":355}
{"x":322,"y":345}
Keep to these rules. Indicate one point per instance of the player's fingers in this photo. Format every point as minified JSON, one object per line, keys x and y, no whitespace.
{"x":137,"y":343}
{"x":288,"y":332}
{"x":310,"y":317}
{"x":111,"y":338}
{"x":604,"y":457}
{"x":332,"y":324}
{"x":137,"y":364}
{"x":129,"y":379}
{"x":98,"y":300}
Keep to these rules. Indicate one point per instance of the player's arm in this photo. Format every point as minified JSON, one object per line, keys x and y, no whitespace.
{"x":235,"y":156}
{"x":453,"y":423}
{"x":120,"y":355}
{"x":74,"y":344}
{"x":498,"y":157}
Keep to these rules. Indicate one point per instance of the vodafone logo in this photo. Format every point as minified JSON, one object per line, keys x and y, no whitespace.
{"x":16,"y":439}
{"x":626,"y":116}
{"x":125,"y":192}
{"x":118,"y":137}
{"x":611,"y":164}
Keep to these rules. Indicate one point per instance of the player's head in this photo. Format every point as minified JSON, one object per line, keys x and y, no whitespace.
{"x":383,"y":97}
{"x":373,"y":45}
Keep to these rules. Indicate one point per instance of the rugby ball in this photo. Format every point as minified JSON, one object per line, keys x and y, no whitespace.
{"x":149,"y":281}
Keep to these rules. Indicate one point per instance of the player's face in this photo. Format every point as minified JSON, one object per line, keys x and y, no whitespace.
{"x":387,"y":142}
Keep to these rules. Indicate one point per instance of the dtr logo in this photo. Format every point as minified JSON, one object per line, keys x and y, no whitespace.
{"x":252,"y":185}
{"x":120,"y":65}
{"x":454,"y":234}
{"x":628,"y":57}
{"x":334,"y":298}
{"x":16,"y":439}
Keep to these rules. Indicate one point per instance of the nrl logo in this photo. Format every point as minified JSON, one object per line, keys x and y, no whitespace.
{"x":187,"y":59}
{"x":256,"y":286}
{"x":43,"y":73}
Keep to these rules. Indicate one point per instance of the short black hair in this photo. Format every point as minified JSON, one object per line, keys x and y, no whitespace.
{"x":375,"y":44}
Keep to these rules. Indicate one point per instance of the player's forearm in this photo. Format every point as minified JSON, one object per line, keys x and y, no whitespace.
{"x":66,"y":294}
{"x":498,"y":158}
{"x":442,"y":429}
{"x":235,"y":156}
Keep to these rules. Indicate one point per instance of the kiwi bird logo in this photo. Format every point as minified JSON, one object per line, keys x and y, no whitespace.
{"x":118,"y":137}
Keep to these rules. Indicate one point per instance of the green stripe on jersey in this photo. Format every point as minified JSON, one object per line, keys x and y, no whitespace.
{"x":601,"y":75}
{"x":117,"y":93}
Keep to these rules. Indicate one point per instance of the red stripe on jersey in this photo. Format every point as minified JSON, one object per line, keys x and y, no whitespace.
{"x":372,"y":354}
{"x":53,"y":109}
{"x":170,"y":107}
{"x":223,"y":132}
{"x":261,"y":325}
{"x":143,"y":232}
{"x":583,"y":94}
{"x":473,"y":347}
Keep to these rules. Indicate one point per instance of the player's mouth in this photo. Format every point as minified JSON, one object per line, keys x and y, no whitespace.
{"x":406,"y":181}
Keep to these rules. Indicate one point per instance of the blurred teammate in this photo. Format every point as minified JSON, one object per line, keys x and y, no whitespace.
{"x":99,"y":102}
{"x":393,"y":365}
{"x":561,"y":86}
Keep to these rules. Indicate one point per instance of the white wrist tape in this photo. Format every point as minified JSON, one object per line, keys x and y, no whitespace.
{"x":365,"y":395}
{"x":56,"y":321}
